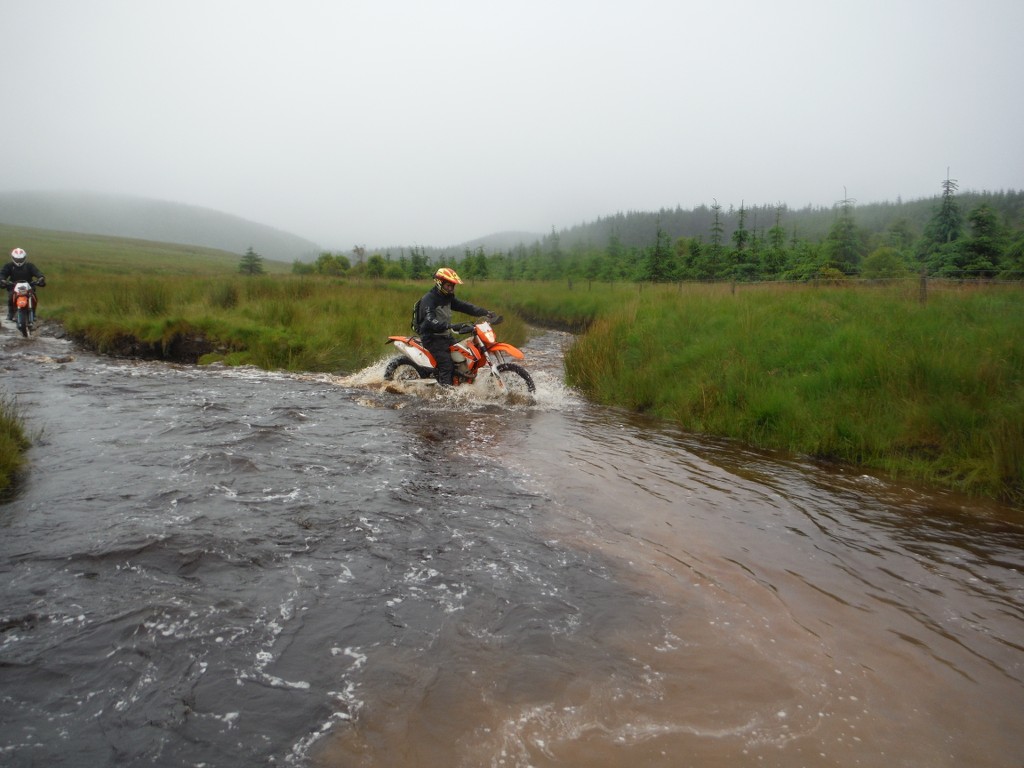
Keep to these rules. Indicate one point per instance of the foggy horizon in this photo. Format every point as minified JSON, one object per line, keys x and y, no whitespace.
{"x":403,"y":124}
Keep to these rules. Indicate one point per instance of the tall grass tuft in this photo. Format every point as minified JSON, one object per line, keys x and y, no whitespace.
{"x":224,"y":295}
{"x":13,"y":442}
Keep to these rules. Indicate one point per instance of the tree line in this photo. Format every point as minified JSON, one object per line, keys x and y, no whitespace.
{"x":972,"y":236}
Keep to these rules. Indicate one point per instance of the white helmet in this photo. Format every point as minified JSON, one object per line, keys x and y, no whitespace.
{"x":18,"y":256}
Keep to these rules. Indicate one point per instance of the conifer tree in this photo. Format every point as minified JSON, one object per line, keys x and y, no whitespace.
{"x":714,"y":251}
{"x":660,"y":267}
{"x":941,"y":246}
{"x":775,"y":256}
{"x":948,"y":222}
{"x":983,"y":249}
{"x":419,"y":266}
{"x":845,"y":245}
{"x":251,"y":263}
{"x":742,"y":266}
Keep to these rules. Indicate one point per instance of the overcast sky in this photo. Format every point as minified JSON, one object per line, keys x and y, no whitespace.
{"x":397,"y":122}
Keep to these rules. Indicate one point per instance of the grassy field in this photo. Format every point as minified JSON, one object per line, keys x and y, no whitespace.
{"x":70,"y":255}
{"x":867,"y":375}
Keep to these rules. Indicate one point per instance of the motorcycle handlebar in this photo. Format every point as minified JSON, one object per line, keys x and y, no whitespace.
{"x":468,"y":327}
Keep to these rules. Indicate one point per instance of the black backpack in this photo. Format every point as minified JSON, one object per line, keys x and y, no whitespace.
{"x":416,"y":315}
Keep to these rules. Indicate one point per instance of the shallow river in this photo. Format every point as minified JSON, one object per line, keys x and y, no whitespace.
{"x":223,"y":567}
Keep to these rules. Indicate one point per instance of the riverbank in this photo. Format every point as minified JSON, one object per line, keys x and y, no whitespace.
{"x":867,"y":376}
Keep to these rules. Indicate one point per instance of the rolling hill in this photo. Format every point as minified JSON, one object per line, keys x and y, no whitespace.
{"x":148,"y":219}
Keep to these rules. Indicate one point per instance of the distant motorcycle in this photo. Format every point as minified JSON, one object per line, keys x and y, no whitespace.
{"x":25,"y":301}
{"x":480,"y":354}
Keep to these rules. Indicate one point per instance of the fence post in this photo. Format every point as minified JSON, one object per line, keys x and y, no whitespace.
{"x":923,"y":291}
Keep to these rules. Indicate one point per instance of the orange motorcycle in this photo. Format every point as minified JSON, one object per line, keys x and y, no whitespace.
{"x":24,"y":296}
{"x":480,"y":354}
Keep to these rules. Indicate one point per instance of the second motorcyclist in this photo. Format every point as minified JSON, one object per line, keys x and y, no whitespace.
{"x":18,"y":270}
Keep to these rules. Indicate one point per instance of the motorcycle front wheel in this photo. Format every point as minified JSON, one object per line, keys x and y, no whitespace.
{"x":22,"y":322}
{"x":404,"y":369}
{"x":516,"y":379}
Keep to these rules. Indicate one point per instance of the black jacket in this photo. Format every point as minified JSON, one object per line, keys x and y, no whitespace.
{"x":435,"y":318}
{"x":15,"y":273}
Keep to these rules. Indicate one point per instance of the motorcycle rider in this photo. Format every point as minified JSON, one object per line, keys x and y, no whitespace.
{"x":434,"y":322}
{"x":20,"y":269}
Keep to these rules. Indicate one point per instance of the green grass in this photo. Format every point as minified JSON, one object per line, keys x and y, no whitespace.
{"x":68,"y":256}
{"x":867,"y":376}
{"x":282,"y":322}
{"x":569,"y":306}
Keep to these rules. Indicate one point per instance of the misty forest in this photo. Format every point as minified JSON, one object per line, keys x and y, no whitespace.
{"x":958,"y":236}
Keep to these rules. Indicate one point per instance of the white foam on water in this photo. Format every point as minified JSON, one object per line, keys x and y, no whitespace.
{"x":550,"y":394}
{"x":359,"y":658}
{"x":264,"y":657}
{"x":345,"y":698}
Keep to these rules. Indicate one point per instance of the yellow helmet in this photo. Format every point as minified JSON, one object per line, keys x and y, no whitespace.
{"x":445,"y":279}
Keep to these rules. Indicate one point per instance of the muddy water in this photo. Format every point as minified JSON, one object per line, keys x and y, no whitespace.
{"x":233,"y":568}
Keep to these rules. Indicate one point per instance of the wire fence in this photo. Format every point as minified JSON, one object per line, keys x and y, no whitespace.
{"x":916,"y":286}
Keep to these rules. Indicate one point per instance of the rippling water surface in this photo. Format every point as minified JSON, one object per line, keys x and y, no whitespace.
{"x":224,"y":567}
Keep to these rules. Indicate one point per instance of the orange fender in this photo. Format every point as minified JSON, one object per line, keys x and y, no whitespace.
{"x":506,"y":348}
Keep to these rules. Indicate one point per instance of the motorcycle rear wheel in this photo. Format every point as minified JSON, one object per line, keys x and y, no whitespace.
{"x":404,"y":369}
{"x":515,"y":378}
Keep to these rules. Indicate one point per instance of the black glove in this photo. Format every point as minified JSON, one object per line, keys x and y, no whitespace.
{"x":463,"y":328}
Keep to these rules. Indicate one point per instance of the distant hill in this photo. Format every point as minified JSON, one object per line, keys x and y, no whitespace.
{"x":147,"y":219}
{"x":502,"y":241}
{"x":499,"y":241}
